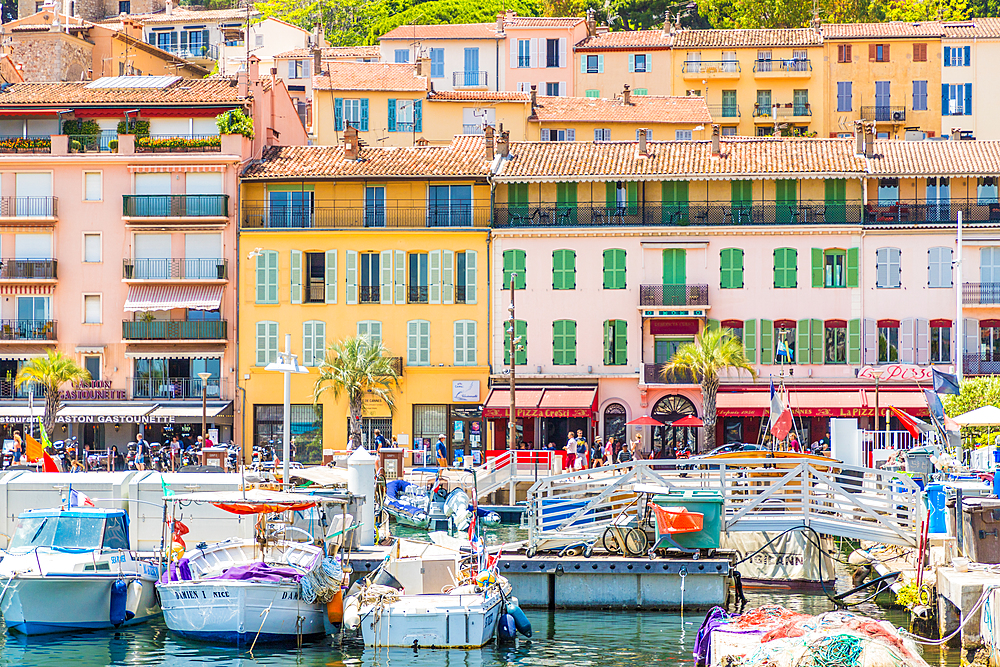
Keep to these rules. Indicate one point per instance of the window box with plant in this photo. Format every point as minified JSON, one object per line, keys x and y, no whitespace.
{"x":195,"y":144}
{"x":235,"y":121}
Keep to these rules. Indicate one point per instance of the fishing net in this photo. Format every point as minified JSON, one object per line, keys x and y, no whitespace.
{"x":766,"y":616}
{"x":322,"y":582}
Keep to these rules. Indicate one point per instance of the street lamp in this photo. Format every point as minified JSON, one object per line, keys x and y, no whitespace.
{"x":287,"y":363}
{"x":204,"y":408}
{"x":877,"y":373}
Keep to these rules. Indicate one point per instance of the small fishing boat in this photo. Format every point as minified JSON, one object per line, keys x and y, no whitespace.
{"x":72,"y":569}
{"x":430,"y":505}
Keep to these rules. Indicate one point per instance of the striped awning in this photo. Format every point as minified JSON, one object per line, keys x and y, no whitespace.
{"x":177,"y":351}
{"x":27,"y":289}
{"x":168,"y":297}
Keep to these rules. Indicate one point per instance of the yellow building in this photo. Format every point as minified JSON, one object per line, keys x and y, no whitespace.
{"x":391,"y":243}
{"x":889,"y":73}
{"x":606,"y":61}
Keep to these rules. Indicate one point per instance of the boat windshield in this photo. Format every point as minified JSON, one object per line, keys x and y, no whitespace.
{"x":68,"y":532}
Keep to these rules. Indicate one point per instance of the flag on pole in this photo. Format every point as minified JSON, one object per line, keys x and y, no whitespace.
{"x":473,"y":535}
{"x":781,"y":417}
{"x":44,"y":435}
{"x":945,"y":383}
{"x":77,"y":499}
{"x":48,"y":464}
{"x":32,"y":448}
{"x":915,"y":427}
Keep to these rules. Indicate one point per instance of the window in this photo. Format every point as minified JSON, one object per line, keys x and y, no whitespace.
{"x":989,"y":341}
{"x":258,"y":41}
{"x":402,"y":55}
{"x":957,"y":56}
{"x":692,"y":93}
{"x":93,"y":366}
{"x":730,"y":109}
{"x":449,"y":205}
{"x":834,"y":268}
{"x":614,"y":269}
{"x":513,"y":262}
{"x":418,"y":343}
{"x":920,"y":96}
{"x":554,"y":88}
{"x":986,"y":190}
{"x":314,"y":278}
{"x":124,"y":7}
{"x":786,"y":268}
{"x":729,"y":62}
{"x":888,"y":341}
{"x":679,"y":135}
{"x":920,"y":52}
{"x":639,"y":62}
{"x":524,"y":53}
{"x":888,"y":191}
{"x":641,"y":91}
{"x":602,"y":134}
{"x":887,"y":269}
{"x":92,"y":309}
{"x":593,"y":92}
{"x":558,"y":135}
{"x":593,"y":64}
{"x":763,"y":107}
{"x":520,"y":342}
{"x":564,"y":342}
{"x":844,"y":53}
{"x":844,"y":95}
{"x":370,"y":277}
{"x":417,"y":284}
{"x":353,"y":111}
{"x":305,"y":421}
{"x":298,"y":69}
{"x":267,"y":277}
{"x":465,"y":276}
{"x":940,"y":341}
{"x":692,"y":62}
{"x":401,"y":115}
{"x":92,"y":186}
{"x":763,"y":63}
{"x":800,"y":102}
{"x":835,"y":341}
{"x":267,"y":342}
{"x":878,"y":53}
{"x":91,"y":248}
{"x":563,"y":269}
{"x":552,"y":53}
{"x":313,"y":342}
{"x":784,"y":342}
{"x":956,"y":99}
{"x":731,"y":261}
{"x":939,"y":267}
{"x":649,"y":133}
{"x":372,"y":329}
{"x":615,"y":343}
{"x":465,"y":343}
{"x":437,"y":63}
{"x":735,"y":328}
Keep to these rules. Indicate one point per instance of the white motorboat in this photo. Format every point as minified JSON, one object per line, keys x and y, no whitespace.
{"x":71,"y":569}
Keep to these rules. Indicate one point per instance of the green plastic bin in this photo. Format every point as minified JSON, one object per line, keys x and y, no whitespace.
{"x":707,"y":503}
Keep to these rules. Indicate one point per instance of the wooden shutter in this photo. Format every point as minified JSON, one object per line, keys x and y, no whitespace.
{"x":766,"y":342}
{"x":447,"y":276}
{"x":922,"y":341}
{"x":564,"y":342}
{"x":674,"y":266}
{"x":385,"y":279}
{"x":563,"y":269}
{"x":262,"y":343}
{"x":970,"y":331}
{"x":330,"y":276}
{"x":854,"y":342}
{"x":872,"y":52}
{"x":802,"y":342}
{"x":296,"y":276}
{"x":750,"y":340}
{"x":869,"y":335}
{"x":272,"y":276}
{"x":460,"y":343}
{"x":338,"y":114}
{"x":412,"y":342}
{"x":261,"y":275}
{"x":731,"y":260}
{"x":906,"y":341}
{"x":785,"y":270}
{"x":712,"y":324}
{"x":609,"y":343}
{"x":392,"y":115}
{"x":470,"y":276}
{"x":621,"y":342}
{"x":351,"y":272}
{"x":364,"y":115}
{"x":817,"y":267}
{"x":816,"y":341}
{"x":853,"y":272}
{"x":399,"y":270}
{"x":434,"y":276}
{"x":519,"y":267}
{"x":614,"y":268}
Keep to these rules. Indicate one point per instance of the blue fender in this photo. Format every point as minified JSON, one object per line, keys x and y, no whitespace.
{"x":521,"y":622}
{"x":506,"y":630}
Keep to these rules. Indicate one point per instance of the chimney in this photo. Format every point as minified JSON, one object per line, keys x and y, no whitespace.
{"x":859,"y":137}
{"x":253,"y":69}
{"x":534,"y":98}
{"x":869,"y":140}
{"x":170,"y":7}
{"x":320,"y":35}
{"x":488,"y":132}
{"x":317,"y":54}
{"x":242,"y":85}
{"x":627,"y":95}
{"x":591,"y":24}
{"x":503,"y":144}
{"x":352,"y":147}
{"x":642,"y":142}
{"x":956,"y":134}
{"x":500,"y":18}
{"x":716,"y":148}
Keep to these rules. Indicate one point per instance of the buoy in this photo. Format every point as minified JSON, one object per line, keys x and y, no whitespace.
{"x":507,"y":629}
{"x":132,"y":599}
{"x":521,"y":621}
{"x":335,"y":608}
{"x":119,"y":594}
{"x":486,"y":578}
{"x":352,"y":612}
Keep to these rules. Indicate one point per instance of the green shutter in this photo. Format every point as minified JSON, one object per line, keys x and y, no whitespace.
{"x":802,"y":340}
{"x":565,"y":203}
{"x":609,"y":342}
{"x":836,"y":200}
{"x":614,"y":268}
{"x":262,"y":343}
{"x":817,"y":267}
{"x":675,"y":202}
{"x":816,"y":340}
{"x":621,"y":343}
{"x":632,"y":195}
{"x":766,"y":342}
{"x":750,"y":340}
{"x":852,"y":267}
{"x":854,"y":342}
{"x":742,"y":192}
{"x":711,"y":324}
{"x":513,"y":261}
{"x":785,"y":268}
{"x":521,"y":332}
{"x":563,"y":269}
{"x":674,"y":266}
{"x":785,"y":200}
{"x":611,"y":194}
{"x":564,"y":342}
{"x":731,"y":261}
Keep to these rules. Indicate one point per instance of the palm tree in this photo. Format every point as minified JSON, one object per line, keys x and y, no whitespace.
{"x":714,"y":350}
{"x":355,"y":367}
{"x":50,"y":373}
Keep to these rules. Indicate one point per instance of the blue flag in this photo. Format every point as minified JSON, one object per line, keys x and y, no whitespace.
{"x":945,"y":383}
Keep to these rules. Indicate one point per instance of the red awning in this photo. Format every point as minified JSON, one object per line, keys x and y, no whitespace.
{"x":847,"y":402}
{"x":542,"y":402}
{"x":155,"y":112}
{"x":14,"y":111}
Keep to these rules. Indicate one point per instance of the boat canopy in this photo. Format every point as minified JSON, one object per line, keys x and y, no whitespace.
{"x":77,"y":529}
{"x":255,"y":501}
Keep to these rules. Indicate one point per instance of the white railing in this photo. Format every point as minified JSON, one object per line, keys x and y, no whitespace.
{"x":515,"y":466}
{"x":891,"y":440}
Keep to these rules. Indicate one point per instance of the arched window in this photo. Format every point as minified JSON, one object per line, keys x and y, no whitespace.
{"x":667,"y":438}
{"x":614,"y":422}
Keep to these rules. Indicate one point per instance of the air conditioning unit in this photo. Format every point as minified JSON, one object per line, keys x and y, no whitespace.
{"x":898,"y":116}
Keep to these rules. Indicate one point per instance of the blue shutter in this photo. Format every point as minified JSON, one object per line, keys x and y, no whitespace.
{"x":631,"y":62}
{"x":968,"y":99}
{"x":600,"y":63}
{"x":968,"y":56}
{"x":364,"y":115}
{"x":338,"y":111}
{"x":944,"y":99}
{"x":392,"y":115}
{"x":947,"y":56}
{"x":418,"y":116}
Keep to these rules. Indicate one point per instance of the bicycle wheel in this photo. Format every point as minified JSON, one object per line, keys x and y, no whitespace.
{"x":636,"y":542}
{"x":610,"y":541}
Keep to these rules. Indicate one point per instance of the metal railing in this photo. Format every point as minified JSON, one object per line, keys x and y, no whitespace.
{"x":513,"y":466}
{"x":262,"y":216}
{"x":460,"y":293}
{"x":369,"y":294}
{"x":474,"y":128}
{"x":314,"y":293}
{"x":27,"y":329}
{"x":653,"y":374}
{"x":711,"y":67}
{"x":673,"y":295}
{"x":175,"y":268}
{"x":416,"y":294}
{"x":793,"y":65}
{"x":174,"y":330}
{"x":782,"y":110}
{"x":173,"y":388}
{"x":921,"y":212}
{"x":397,"y":364}
{"x":28,"y":207}
{"x":178,"y":143}
{"x":192,"y":51}
{"x":980,"y":294}
{"x":724,"y":110}
{"x":884,"y":114}
{"x":92,"y":143}
{"x":26,"y":144}
{"x":19,"y":269}
{"x":175,"y":206}
{"x":981,"y":364}
{"x":9,"y":390}
{"x":462,"y":79}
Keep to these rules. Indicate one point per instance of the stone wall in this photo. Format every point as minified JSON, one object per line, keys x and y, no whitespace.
{"x":52,"y":56}
{"x":111,"y":7}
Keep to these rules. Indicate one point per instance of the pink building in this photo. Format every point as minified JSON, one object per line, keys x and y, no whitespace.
{"x":540,"y":53}
{"x":119,"y":249}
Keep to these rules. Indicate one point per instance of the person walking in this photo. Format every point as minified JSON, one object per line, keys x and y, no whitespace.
{"x":597,"y":453}
{"x":581,"y":451}
{"x":571,"y":451}
{"x":18,"y":448}
{"x":141,"y":448}
{"x":441,"y":451}
{"x":636,"y":447}
{"x":378,"y":440}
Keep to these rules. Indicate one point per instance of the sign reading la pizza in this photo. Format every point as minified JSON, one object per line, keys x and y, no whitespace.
{"x":898,"y":373}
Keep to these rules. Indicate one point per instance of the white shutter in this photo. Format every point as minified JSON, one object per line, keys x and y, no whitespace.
{"x":894,"y":267}
{"x":465,"y":343}
{"x":933,"y":267}
{"x":399,"y":266}
{"x":434,"y":276}
{"x":869,"y":333}
{"x":571,"y":134}
{"x":319,"y":342}
{"x":649,"y":68}
{"x":470,"y":276}
{"x":375,"y":331}
{"x":262,"y":343}
{"x":545,"y":134}
{"x":307,"y":343}
{"x":305,"y":68}
{"x":631,"y":62}
{"x":352,"y":277}
{"x":906,"y":341}
{"x":882,"y":267}
{"x":562,"y":89}
{"x":296,"y":276}
{"x":460,"y":343}
{"x":412,"y":342}
{"x":447,"y":276}
{"x":562,"y":52}
{"x":92,"y":186}
{"x":534,"y":51}
{"x":331,"y":276}
{"x":971,"y":332}
{"x":513,"y":46}
{"x":385,"y":286}
{"x":425,"y":342}
{"x":923,"y":340}
{"x":363,"y":328}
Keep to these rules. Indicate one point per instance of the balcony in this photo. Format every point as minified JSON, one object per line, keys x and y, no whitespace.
{"x":792,"y":68}
{"x":469,"y":79}
{"x":27,"y":269}
{"x":416,"y":294}
{"x":158,"y":207}
{"x":921,"y":212}
{"x":354,"y":214}
{"x":174,"y":330}
{"x":474,"y":128}
{"x":192,"y":51}
{"x":175,"y":269}
{"x":369,"y":294}
{"x":397,"y":364}
{"x":653,"y":374}
{"x":711,"y":69}
{"x":172,"y":143}
{"x":173,"y":388}
{"x":724,"y":110}
{"x":20,"y":208}
{"x":981,"y":294}
{"x":975,"y":364}
{"x":92,"y":143}
{"x":9,"y":390}
{"x":881,"y":114}
{"x":789,"y":112}
{"x":28,"y":330}
{"x":673,"y":295}
{"x":20,"y":144}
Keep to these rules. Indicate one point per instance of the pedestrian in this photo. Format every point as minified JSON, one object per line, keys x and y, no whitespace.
{"x":625,"y":455}
{"x":18,"y":447}
{"x":175,"y":452}
{"x":793,"y":444}
{"x":609,"y":451}
{"x":441,"y":451}
{"x":378,"y":440}
{"x":141,"y":449}
{"x":597,"y":453}
{"x":581,"y":451}
{"x":571,"y":451}
{"x":636,"y":447}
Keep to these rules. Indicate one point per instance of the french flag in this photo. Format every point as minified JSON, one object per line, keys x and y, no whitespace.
{"x":77,"y":499}
{"x":781,"y":416}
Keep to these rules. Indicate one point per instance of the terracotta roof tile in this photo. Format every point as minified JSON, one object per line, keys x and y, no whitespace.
{"x":643,"y":109}
{"x":901,"y":158}
{"x":514,"y":21}
{"x":982,"y":27}
{"x":444,"y":31}
{"x":479,"y":96}
{"x":180,"y":14}
{"x":368,"y":76}
{"x":747,"y":37}
{"x":464,"y":157}
{"x":185,"y":91}
{"x":621,"y":40}
{"x":332,"y":52}
{"x":881,"y":30}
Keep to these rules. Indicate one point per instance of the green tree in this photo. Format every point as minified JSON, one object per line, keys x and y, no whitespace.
{"x":756,"y":13}
{"x":975,"y":393}
{"x":353,"y":368}
{"x":49,"y":373}
{"x":714,"y":351}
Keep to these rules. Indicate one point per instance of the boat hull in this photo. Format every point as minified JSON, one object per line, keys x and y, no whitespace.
{"x":237,"y":612}
{"x":434,"y":621}
{"x":37,"y":605}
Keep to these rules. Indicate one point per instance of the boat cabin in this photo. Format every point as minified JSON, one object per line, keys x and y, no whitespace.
{"x":82,"y":529}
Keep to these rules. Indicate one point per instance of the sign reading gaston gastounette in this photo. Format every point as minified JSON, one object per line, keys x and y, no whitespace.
{"x":97,"y":390}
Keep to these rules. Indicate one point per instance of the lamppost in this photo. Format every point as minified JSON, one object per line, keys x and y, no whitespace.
{"x":204,"y":408}
{"x":877,"y":373}
{"x":512,"y":421}
{"x":287,"y":363}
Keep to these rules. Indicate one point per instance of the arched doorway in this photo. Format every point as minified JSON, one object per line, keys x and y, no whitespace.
{"x":614,"y":422}
{"x":666,"y":438}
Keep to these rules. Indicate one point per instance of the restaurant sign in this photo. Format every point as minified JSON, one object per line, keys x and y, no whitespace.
{"x":501,"y":413}
{"x":115,"y":419}
{"x":99,"y":390}
{"x":898,"y":373}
